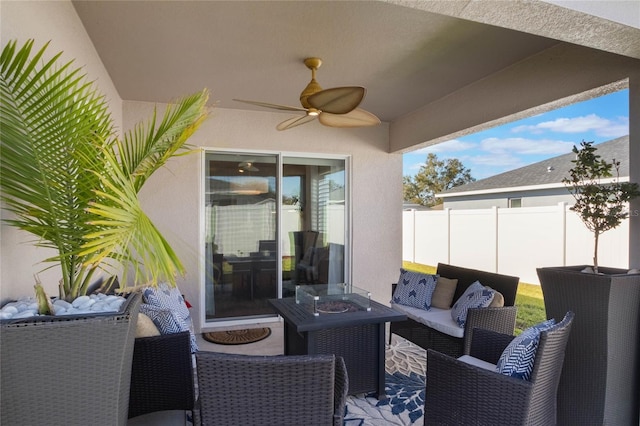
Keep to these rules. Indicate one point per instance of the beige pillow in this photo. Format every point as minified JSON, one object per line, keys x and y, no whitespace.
{"x":443,"y":294}
{"x":498,"y":300}
{"x":146,"y":327}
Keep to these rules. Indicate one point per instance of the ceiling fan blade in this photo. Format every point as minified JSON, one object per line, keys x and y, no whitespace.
{"x":295,"y":121}
{"x":338,"y":100}
{"x":356,"y":118}
{"x":273,"y":106}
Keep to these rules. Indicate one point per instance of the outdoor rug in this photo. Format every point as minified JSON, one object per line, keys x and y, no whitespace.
{"x":237,"y":337}
{"x":404,"y":386}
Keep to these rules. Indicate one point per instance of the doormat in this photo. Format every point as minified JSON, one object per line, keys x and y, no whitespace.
{"x":237,"y":337}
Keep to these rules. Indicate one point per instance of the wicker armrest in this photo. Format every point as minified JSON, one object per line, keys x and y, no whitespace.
{"x":340,"y":391}
{"x":488,"y":345}
{"x":501,"y":320}
{"x":459,"y":393}
{"x":162,"y":376}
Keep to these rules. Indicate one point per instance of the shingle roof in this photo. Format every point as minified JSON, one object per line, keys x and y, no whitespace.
{"x":550,"y":171}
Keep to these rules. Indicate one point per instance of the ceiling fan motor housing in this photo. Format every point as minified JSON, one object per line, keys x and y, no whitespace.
{"x":313,"y":87}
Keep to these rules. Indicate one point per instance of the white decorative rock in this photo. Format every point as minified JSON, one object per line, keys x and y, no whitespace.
{"x":62,"y":304}
{"x":80,"y":301}
{"x":9,"y":309}
{"x":26,"y":307}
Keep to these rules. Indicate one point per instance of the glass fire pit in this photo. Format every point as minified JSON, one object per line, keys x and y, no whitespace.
{"x":333,"y":298}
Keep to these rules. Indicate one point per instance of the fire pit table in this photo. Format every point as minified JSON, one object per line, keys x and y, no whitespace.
{"x":339,"y":319}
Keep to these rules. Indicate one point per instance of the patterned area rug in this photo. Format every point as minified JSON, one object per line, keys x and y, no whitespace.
{"x":405,"y":387}
{"x":237,"y":337}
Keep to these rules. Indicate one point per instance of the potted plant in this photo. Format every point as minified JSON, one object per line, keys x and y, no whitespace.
{"x":72,"y":182}
{"x":600,"y":382}
{"x":601,"y":206}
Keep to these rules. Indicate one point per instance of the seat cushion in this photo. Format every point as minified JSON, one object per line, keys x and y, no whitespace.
{"x":518,"y":357}
{"x":414,"y":289}
{"x":468,"y":359}
{"x":437,"y":319}
{"x":475,"y":296}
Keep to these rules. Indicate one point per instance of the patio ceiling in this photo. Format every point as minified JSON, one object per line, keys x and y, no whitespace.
{"x":407,"y":54}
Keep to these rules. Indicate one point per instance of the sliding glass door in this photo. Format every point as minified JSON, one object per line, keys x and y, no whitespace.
{"x":313,"y":221}
{"x":271,"y":222}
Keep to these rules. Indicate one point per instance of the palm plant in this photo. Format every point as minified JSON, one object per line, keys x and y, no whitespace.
{"x":71,"y":181}
{"x":601,"y":206}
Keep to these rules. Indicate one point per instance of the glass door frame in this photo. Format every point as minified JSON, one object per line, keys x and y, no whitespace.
{"x":204,"y":324}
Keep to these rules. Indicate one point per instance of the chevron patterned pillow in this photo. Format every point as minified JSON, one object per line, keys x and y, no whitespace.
{"x":475,"y":296}
{"x":518,"y":357}
{"x":165,"y":297}
{"x":414,"y":289}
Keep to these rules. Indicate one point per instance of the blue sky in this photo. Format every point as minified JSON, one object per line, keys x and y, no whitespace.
{"x":532,"y":139}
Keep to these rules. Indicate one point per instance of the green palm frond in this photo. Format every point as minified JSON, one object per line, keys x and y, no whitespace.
{"x":147,"y":148}
{"x":50,"y":119}
{"x":122,"y":228}
{"x":70,"y":181}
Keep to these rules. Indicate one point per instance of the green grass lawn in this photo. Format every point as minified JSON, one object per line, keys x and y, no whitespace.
{"x":528,"y":299}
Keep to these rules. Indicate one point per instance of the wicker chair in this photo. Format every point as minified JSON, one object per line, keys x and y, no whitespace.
{"x":458,"y":393}
{"x":162,"y":374}
{"x":271,"y":390}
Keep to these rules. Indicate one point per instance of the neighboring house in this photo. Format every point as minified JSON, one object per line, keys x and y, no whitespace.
{"x":539,"y":184}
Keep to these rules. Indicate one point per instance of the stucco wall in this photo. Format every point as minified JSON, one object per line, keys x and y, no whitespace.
{"x":172,"y":196}
{"x":173,"y":200}
{"x":57,"y":22}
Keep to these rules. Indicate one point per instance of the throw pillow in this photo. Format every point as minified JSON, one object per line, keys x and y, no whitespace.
{"x":146,"y":327}
{"x":518,"y":357}
{"x":498,"y":300}
{"x":443,"y":294}
{"x":414,"y":289}
{"x":168,"y":322}
{"x":475,"y":296}
{"x":166,"y":297}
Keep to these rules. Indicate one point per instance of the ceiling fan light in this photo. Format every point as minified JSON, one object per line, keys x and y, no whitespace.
{"x":313,"y":112}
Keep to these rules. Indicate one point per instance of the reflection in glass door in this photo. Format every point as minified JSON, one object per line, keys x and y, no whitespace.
{"x":241,"y":231}
{"x":260,"y":244}
{"x":314,"y":217}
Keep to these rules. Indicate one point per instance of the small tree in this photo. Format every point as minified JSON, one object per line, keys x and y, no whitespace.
{"x":601,"y":206}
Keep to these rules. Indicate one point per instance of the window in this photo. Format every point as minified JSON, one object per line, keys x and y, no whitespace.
{"x":515,"y":203}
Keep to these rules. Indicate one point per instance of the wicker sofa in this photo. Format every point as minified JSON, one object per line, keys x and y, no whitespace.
{"x":441,"y":339}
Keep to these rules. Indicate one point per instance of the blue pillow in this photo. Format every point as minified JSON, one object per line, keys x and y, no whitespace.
{"x":169,"y":298}
{"x":414,"y":289}
{"x":169,"y":322}
{"x":475,"y":296}
{"x":518,"y":357}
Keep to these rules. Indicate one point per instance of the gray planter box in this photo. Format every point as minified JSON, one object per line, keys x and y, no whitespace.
{"x":68,"y":370}
{"x":601,"y":375}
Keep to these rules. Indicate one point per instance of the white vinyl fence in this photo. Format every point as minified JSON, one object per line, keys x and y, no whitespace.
{"x":510,"y":241}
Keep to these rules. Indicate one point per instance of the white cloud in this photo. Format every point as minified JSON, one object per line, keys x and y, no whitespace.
{"x":525,"y":146}
{"x":453,"y":145}
{"x":592,"y":122}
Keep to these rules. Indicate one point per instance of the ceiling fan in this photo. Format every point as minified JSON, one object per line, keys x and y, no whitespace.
{"x":247,"y":166}
{"x":335,"y":107}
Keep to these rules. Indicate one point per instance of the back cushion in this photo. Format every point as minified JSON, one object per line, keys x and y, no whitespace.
{"x":505,"y":284}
